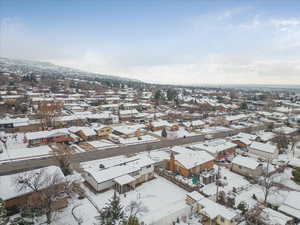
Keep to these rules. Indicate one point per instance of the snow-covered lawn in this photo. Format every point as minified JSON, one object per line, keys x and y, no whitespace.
{"x":232,"y":180}
{"x":17,"y":150}
{"x":285,"y":179}
{"x":160,"y":196}
{"x":276,"y":197}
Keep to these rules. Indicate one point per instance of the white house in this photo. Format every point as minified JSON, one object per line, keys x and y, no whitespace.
{"x":291,"y":205}
{"x":123,"y":176}
{"x":263,"y":150}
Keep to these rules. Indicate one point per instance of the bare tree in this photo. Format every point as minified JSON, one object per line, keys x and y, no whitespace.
{"x":63,"y":156}
{"x":134,"y":209}
{"x":46,"y":188}
{"x":269,"y":183}
{"x":281,"y":141}
{"x":47,"y":111}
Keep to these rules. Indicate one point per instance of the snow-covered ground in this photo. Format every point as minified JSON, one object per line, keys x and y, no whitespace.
{"x":100,"y":144}
{"x":230,"y":179}
{"x":136,"y":140}
{"x":159,"y":196}
{"x":17,"y":150}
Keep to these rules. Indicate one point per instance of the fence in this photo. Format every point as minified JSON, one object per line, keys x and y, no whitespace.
{"x":173,"y":179}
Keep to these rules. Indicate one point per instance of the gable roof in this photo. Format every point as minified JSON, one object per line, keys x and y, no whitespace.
{"x":192,"y":159}
{"x":245,"y":162}
{"x":264,"y":147}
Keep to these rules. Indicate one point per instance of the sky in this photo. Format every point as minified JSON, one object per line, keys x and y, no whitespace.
{"x":159,"y":41}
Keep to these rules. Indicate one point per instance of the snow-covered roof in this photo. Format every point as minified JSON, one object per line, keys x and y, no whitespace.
{"x":181,"y":150}
{"x":126,"y":179}
{"x":291,"y":204}
{"x":160,"y":123}
{"x":14,"y":120}
{"x":215,"y":146}
{"x":87,"y":131}
{"x":195,"y":195}
{"x":236,"y":117}
{"x":192,"y":159}
{"x":265,"y":136}
{"x":116,"y":167}
{"x":103,"y":175}
{"x":245,"y":162}
{"x":128,"y":112}
{"x":45,"y":134}
{"x":126,"y":129}
{"x":285,"y":130}
{"x":213,"y":209}
{"x":264,"y":147}
{"x":272,"y":217}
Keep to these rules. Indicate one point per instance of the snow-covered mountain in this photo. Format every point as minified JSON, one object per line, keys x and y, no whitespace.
{"x":23,"y":67}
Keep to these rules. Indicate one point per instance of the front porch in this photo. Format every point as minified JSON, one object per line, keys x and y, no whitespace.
{"x":124,"y":183}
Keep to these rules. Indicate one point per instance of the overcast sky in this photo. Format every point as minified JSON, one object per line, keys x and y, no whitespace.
{"x":176,"y":42}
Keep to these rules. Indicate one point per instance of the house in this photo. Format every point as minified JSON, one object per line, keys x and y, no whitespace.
{"x":127,"y":131}
{"x":124,"y":175}
{"x":269,"y":216}
{"x":195,"y":124}
{"x":190,"y":163}
{"x":246,"y":166}
{"x":46,"y":137}
{"x":192,"y":199}
{"x":264,"y":136}
{"x":87,"y":133}
{"x":128,"y":114}
{"x":219,"y":148}
{"x":130,"y":106}
{"x":103,"y":131}
{"x":10,"y":98}
{"x":158,"y":125}
{"x":13,"y":122}
{"x":109,"y":107}
{"x":291,"y":205}
{"x":15,"y":197}
{"x":212,"y":212}
{"x":105,"y":118}
{"x":263,"y":150}
{"x":285,"y":130}
{"x":243,"y":140}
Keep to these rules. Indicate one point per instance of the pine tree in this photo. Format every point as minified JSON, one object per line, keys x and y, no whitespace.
{"x":112,"y":213}
{"x":164,"y":133}
{"x":116,"y":208}
{"x":3,"y":213}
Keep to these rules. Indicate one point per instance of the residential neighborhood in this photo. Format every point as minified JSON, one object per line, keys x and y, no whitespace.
{"x":190,"y":158}
{"x":125,"y":112}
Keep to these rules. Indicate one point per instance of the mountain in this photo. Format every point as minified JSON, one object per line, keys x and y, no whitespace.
{"x":22,"y":67}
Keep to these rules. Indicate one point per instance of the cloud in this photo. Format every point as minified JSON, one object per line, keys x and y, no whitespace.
{"x":229,"y":47}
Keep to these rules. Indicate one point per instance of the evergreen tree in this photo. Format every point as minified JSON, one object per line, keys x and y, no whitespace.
{"x":296,"y":174}
{"x":117,"y":209}
{"x":243,"y":206}
{"x":3,"y":213}
{"x":164,"y":133}
{"x":112,"y":213}
{"x":171,"y":94}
